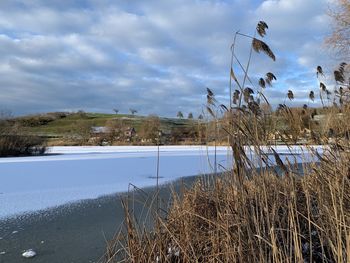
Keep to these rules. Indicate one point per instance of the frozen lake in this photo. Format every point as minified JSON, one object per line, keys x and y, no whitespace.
{"x":69,"y":174}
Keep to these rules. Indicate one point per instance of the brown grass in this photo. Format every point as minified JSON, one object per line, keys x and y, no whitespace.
{"x":250,"y":214}
{"x":266,"y":219}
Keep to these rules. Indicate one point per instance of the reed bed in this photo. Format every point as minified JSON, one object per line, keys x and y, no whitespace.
{"x":251,"y":213}
{"x":268,"y":218}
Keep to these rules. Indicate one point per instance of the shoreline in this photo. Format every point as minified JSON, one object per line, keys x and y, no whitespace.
{"x":75,"y":232}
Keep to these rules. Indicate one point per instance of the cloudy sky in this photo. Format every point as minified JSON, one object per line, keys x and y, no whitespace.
{"x":156,"y":56}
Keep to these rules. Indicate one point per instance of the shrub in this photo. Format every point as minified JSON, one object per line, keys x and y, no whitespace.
{"x":150,"y":129}
{"x":13,"y":143}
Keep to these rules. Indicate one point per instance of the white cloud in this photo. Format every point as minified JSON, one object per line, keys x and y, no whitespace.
{"x":156,"y":56}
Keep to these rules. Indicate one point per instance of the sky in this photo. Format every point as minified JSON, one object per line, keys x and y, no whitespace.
{"x":154,"y":56}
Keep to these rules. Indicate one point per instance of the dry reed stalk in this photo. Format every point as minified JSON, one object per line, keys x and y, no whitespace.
{"x":269,"y":219}
{"x":250,"y":214}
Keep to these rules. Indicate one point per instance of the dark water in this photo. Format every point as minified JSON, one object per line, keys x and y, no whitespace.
{"x":77,"y":232}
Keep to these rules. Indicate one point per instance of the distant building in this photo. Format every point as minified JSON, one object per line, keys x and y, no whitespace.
{"x":125,"y":134}
{"x":99,"y":130}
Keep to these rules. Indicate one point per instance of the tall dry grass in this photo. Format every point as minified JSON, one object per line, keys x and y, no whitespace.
{"x":250,"y":213}
{"x":267,"y":219}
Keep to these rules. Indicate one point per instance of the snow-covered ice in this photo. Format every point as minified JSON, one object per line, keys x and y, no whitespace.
{"x":69,"y":174}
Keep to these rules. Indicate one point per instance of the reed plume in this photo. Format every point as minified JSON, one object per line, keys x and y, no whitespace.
{"x":261,"y":28}
{"x":260,"y":46}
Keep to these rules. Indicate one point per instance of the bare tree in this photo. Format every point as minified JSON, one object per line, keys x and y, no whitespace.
{"x":190,"y":116}
{"x":133,"y":111}
{"x":340,"y":37}
{"x":179,"y":115}
{"x":116,"y":111}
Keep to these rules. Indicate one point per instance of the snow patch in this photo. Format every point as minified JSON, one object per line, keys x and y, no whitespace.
{"x":30,"y":253}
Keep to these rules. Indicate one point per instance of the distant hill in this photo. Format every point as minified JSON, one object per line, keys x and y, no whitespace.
{"x":61,"y":128}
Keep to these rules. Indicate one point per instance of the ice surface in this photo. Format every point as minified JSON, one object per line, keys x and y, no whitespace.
{"x":69,"y":174}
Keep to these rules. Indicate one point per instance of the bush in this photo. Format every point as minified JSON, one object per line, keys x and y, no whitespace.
{"x":13,"y":143}
{"x":150,"y":129}
{"x":21,"y":145}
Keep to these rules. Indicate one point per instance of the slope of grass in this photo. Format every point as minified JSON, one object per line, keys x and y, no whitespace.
{"x":59,"y":127}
